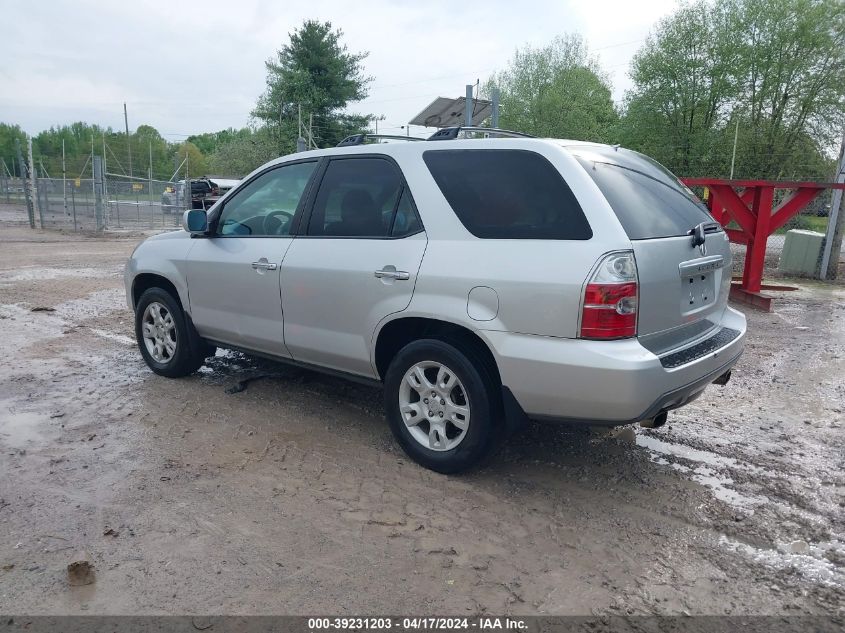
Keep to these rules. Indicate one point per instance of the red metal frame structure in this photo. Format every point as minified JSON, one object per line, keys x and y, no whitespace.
{"x":749,"y":204}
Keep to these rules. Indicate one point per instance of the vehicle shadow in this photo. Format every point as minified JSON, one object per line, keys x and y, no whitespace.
{"x":533,"y":446}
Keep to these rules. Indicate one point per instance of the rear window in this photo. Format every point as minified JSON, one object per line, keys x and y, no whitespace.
{"x":648,"y":199}
{"x":508,"y":194}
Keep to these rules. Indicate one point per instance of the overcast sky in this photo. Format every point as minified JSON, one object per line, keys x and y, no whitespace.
{"x":196,"y":66}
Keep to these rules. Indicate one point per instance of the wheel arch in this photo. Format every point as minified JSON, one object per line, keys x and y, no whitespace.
{"x":396,"y":333}
{"x":144,"y":281}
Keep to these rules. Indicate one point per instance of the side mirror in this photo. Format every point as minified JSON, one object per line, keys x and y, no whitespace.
{"x":195,"y":221}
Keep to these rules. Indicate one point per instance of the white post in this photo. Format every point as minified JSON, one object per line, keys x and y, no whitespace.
{"x":64,"y":178}
{"x":33,"y":177}
{"x":151,"y":183}
{"x":733,"y":158}
{"x":833,"y":218}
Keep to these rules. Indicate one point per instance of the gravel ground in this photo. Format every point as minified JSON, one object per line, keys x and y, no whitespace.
{"x":291,"y":497}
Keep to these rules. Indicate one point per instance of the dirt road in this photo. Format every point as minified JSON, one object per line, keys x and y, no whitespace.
{"x":291,"y":497}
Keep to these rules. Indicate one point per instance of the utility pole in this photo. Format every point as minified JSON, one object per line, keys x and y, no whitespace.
{"x":468,"y":106}
{"x":312,"y":144}
{"x":128,"y":144}
{"x":494,"y":97}
{"x":835,"y":224}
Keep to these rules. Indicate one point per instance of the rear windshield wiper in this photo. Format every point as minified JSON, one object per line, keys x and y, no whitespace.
{"x":700,"y":230}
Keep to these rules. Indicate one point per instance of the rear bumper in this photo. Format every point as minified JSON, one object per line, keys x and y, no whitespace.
{"x":604,"y":382}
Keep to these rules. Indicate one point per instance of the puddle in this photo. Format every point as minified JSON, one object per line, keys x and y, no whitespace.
{"x":695,"y":455}
{"x":19,"y":429}
{"x":707,"y":472}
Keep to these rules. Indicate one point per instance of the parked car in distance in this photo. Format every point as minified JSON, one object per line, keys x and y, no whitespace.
{"x":481,"y":282}
{"x":173,"y":198}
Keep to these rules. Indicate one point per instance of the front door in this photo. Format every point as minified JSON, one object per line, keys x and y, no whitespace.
{"x":233,"y":275}
{"x":356,"y":263}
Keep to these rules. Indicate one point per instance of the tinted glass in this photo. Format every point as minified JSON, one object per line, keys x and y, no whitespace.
{"x":266,"y":205}
{"x":357,"y":198}
{"x":406,"y":221}
{"x":508,"y":194}
{"x":647,"y":198}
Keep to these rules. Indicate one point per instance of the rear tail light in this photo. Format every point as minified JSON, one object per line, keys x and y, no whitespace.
{"x":610,"y":299}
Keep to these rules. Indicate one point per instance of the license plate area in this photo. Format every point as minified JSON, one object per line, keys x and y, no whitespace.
{"x":698,"y":283}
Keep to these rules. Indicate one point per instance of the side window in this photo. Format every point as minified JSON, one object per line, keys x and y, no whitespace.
{"x":266,"y":206}
{"x":357,"y":198}
{"x":406,"y":221}
{"x":508,"y":194}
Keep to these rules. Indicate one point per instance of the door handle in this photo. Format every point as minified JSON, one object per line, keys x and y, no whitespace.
{"x":387,"y":273}
{"x":264,"y":265}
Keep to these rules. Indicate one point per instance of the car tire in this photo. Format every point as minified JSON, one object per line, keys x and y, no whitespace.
{"x":166,"y":337}
{"x":424,"y":406}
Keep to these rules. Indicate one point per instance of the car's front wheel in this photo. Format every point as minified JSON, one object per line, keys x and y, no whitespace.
{"x":168,"y":342}
{"x":442,"y":405}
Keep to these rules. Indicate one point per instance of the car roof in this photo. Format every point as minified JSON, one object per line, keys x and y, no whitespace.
{"x":396,"y":148}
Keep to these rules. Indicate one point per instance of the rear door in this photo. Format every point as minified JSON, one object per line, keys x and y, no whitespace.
{"x":683,"y":285}
{"x":355,"y":263}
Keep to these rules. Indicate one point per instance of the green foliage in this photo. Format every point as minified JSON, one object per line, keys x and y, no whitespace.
{"x":8,"y":134}
{"x":314,"y":71}
{"x":244,"y":152}
{"x":557,"y":91}
{"x":209,"y":142}
{"x":775,"y":67}
{"x":196,"y":164}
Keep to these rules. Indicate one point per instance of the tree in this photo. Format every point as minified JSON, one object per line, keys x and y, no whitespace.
{"x":316,"y":71}
{"x":792,"y":81}
{"x":775,"y":67}
{"x":684,"y":83}
{"x":244,"y":152}
{"x":557,"y":91}
{"x":209,"y":142}
{"x":8,"y":134}
{"x":196,"y":165}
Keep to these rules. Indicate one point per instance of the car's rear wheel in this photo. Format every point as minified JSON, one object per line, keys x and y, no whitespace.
{"x":442,"y":405}
{"x":167,"y":340}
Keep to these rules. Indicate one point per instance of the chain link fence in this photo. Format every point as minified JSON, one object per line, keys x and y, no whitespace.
{"x":127,"y":203}
{"x":814,"y":217}
{"x":146,"y":204}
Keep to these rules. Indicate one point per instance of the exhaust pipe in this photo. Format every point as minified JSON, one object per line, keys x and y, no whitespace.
{"x":656,"y":422}
{"x":723,"y":379}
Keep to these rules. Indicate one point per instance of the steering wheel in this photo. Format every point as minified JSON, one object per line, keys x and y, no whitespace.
{"x":275,"y":217}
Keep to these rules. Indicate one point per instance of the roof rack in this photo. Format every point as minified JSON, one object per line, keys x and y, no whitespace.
{"x":360,"y":139}
{"x":450,"y":133}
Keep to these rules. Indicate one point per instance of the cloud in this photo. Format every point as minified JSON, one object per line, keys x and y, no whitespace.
{"x":196,"y":66}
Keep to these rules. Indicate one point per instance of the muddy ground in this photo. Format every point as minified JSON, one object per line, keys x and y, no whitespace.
{"x":291,"y":497}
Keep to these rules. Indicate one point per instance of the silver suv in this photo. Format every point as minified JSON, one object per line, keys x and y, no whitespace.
{"x":480,"y":281}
